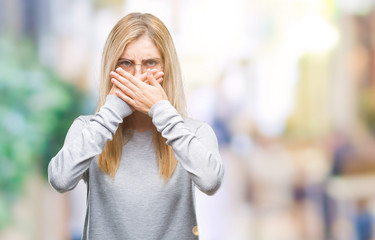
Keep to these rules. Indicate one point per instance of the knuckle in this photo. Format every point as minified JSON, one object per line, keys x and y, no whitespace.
{"x":137,"y":93}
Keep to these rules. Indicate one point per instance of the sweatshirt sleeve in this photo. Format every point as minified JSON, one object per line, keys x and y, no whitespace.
{"x":86,"y":139}
{"x":197,"y":152}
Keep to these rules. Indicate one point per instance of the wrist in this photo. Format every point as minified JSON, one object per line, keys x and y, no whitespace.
{"x":118,"y":105}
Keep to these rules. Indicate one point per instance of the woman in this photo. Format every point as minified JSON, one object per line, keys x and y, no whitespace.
{"x":139,"y":155}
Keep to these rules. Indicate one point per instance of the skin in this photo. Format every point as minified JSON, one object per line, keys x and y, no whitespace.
{"x":140,"y":91}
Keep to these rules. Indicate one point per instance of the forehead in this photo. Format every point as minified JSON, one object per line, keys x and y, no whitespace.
{"x":141,"y":48}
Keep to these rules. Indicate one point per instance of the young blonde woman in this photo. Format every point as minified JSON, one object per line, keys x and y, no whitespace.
{"x":140,"y":155}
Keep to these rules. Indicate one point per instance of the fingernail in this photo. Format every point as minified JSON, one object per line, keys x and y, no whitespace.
{"x":118,"y":69}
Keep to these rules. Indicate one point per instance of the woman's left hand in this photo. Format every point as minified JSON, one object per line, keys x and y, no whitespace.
{"x":142,"y":96}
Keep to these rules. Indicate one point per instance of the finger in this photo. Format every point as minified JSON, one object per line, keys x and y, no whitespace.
{"x":123,"y":88}
{"x":127,"y":99}
{"x":137,"y":82}
{"x":151,"y":78}
{"x":113,"y":90}
{"x":154,"y":71}
{"x":143,"y":76}
{"x":124,"y":81}
{"x":158,"y":76}
{"x":160,"y":80}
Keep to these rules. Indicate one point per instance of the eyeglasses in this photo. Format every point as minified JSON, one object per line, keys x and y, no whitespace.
{"x":129,"y":65}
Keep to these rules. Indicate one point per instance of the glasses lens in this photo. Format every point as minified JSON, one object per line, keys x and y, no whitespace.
{"x":151,"y":64}
{"x":130,"y":67}
{"x":127,"y":66}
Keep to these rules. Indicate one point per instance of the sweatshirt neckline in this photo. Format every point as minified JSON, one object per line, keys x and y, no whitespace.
{"x":142,"y":133}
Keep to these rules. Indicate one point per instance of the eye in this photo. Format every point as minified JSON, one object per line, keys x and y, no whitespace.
{"x":126,"y":63}
{"x":151,"y":63}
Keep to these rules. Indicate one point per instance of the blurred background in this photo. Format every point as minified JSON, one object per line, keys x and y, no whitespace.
{"x":287,"y":85}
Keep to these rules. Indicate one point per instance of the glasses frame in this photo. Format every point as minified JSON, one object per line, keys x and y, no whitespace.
{"x":143,"y":66}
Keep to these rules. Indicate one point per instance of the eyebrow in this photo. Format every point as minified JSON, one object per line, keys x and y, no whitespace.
{"x":122,"y":59}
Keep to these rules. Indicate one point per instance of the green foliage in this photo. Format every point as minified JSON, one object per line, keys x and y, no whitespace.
{"x":36,"y":110}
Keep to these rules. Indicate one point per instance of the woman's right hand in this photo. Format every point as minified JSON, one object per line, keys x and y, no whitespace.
{"x":143,"y":77}
{"x":113,"y":91}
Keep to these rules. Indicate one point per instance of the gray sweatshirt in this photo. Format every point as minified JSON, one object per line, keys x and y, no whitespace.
{"x":138,"y":204}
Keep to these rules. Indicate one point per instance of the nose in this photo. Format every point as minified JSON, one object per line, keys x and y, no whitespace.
{"x":137,"y":70}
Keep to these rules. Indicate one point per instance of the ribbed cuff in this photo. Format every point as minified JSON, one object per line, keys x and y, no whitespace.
{"x":159,"y":105}
{"x":164,"y":115}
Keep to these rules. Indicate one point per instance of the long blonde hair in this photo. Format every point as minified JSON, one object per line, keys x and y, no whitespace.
{"x":128,"y":29}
